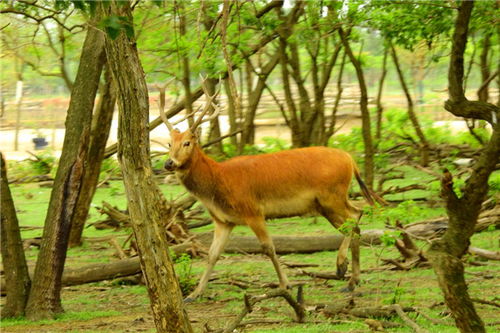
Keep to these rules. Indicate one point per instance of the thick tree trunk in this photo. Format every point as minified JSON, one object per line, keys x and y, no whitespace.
{"x":45,"y":298}
{"x":445,"y":254}
{"x":17,"y":279}
{"x":101,"y":125}
{"x":369,"y":166}
{"x":424,"y":144}
{"x":147,"y":206}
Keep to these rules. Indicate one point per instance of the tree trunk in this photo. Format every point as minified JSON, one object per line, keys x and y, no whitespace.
{"x":380,"y":107}
{"x":19,"y":101}
{"x":330,"y":130}
{"x":45,"y":296}
{"x":293,"y":119}
{"x":147,"y":206}
{"x":186,"y":71}
{"x":231,"y":113}
{"x":101,"y":125}
{"x":369,"y":165}
{"x":17,"y":279}
{"x":483,"y":93}
{"x":248,"y":135}
{"x":424,"y":144}
{"x":445,"y":254}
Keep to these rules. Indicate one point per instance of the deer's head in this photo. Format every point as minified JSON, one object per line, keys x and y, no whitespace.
{"x":183,"y":144}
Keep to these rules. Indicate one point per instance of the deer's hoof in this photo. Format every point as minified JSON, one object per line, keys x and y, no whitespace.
{"x":342,"y":269}
{"x":189,"y":299}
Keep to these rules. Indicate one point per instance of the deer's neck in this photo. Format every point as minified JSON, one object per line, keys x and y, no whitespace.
{"x":199,"y":174}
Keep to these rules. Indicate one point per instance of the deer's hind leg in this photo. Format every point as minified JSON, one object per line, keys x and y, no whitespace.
{"x":344,"y":217}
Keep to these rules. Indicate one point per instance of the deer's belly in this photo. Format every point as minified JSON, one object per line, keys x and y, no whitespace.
{"x":298,"y":205}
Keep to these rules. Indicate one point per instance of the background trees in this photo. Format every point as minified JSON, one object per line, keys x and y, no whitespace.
{"x":300,"y":56}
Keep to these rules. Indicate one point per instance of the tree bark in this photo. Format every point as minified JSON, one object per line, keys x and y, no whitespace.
{"x":17,"y":279}
{"x":424,"y":144}
{"x":445,"y":254}
{"x":45,"y":299}
{"x":147,"y":206}
{"x":369,"y":165}
{"x":101,"y":125}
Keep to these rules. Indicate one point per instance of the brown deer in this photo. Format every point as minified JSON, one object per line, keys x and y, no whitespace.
{"x":247,"y":190}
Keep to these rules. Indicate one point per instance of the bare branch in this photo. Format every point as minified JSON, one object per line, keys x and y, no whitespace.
{"x":161,"y":105}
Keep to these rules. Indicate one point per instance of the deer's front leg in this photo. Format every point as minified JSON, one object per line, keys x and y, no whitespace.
{"x":221,"y":236}
{"x":258,"y":225}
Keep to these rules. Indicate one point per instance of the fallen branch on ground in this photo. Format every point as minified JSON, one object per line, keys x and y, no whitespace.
{"x":250,"y":301}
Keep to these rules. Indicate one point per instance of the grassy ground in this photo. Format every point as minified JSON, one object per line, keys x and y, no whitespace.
{"x":112,"y":307}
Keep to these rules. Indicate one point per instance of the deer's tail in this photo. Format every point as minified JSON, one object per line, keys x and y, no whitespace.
{"x":367,"y":193}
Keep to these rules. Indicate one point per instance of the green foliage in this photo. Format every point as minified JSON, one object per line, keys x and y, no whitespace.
{"x":271,"y":145}
{"x":404,"y":212}
{"x":348,"y":226}
{"x":494,"y":182}
{"x":389,"y":237}
{"x":115,"y":24}
{"x":407,"y":24}
{"x":183,"y":269}
{"x":109,"y":168}
{"x":43,"y":163}
{"x":395,"y":298}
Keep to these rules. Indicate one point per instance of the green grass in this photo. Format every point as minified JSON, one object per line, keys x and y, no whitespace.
{"x":65,"y":317}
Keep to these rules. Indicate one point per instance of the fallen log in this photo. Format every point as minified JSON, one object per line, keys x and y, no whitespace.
{"x":489,"y":255}
{"x":435,"y":228}
{"x":292,"y":244}
{"x":100,"y":272}
{"x":236,"y":244}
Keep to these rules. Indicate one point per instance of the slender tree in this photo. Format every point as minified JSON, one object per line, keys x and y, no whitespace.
{"x":99,"y":133}
{"x":423,"y":143}
{"x":45,"y":299}
{"x":369,"y":165}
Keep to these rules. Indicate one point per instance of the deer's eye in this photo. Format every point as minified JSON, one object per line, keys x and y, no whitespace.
{"x":187,"y":143}
{"x":169,"y":145}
